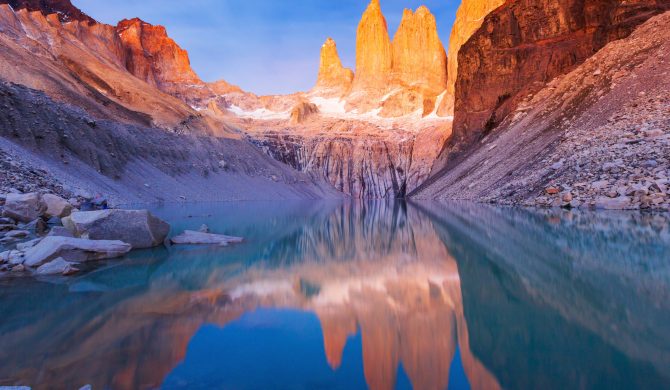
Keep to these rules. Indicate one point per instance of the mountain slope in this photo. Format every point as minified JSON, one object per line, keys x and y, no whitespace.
{"x":598,"y":136}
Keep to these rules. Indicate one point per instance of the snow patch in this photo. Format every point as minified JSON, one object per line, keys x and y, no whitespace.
{"x":260,"y":113}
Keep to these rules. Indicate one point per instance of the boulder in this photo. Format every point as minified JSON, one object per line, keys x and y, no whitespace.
{"x":138,"y":228}
{"x":200,"y":238}
{"x":11,"y":257}
{"x":17,"y":234}
{"x":24,"y":207}
{"x":56,"y":206}
{"x":60,"y":231}
{"x":620,"y":203}
{"x":24,"y":246}
{"x":77,"y":250}
{"x":7,"y":227}
{"x":58,"y":266}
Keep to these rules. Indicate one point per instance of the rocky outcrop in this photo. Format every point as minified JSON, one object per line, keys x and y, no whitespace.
{"x":469,"y":18}
{"x":302,"y":111}
{"x":139,"y":228}
{"x":24,"y":207}
{"x":597,"y":137}
{"x":63,"y":8}
{"x":374,"y":53}
{"x":56,"y":206}
{"x":76,"y":250}
{"x":419,"y":59}
{"x":333,"y":79}
{"x":524,"y":44}
{"x":153,"y":56}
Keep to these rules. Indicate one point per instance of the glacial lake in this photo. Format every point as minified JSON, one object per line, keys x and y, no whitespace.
{"x":379,"y":295}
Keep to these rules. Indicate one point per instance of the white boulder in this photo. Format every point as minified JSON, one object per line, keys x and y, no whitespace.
{"x":138,"y":228}
{"x":24,"y":207}
{"x":77,"y":250}
{"x":58,"y":266}
{"x":200,"y":238}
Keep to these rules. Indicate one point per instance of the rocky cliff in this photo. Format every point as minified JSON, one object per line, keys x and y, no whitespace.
{"x":334,"y":79}
{"x":73,"y":109}
{"x":63,"y":8}
{"x":469,"y":18}
{"x":596,"y":137}
{"x":419,"y":59}
{"x":524,"y":44}
{"x":154,"y":57}
{"x":374,"y":53}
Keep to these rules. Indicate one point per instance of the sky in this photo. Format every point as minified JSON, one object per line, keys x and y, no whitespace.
{"x":263,"y":46}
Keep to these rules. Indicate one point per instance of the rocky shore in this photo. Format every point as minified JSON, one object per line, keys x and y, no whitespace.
{"x":42,"y":234}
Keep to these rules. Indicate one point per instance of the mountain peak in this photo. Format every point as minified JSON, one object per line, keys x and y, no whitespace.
{"x":374,"y":57}
{"x":332,"y":75}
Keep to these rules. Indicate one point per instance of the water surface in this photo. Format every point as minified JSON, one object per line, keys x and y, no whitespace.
{"x":378,"y":295}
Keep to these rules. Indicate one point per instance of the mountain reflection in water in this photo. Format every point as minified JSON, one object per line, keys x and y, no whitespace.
{"x":379,"y":295}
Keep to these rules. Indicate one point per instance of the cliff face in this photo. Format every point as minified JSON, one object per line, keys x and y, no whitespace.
{"x":524,"y":44}
{"x":374,"y":55}
{"x":153,"y":56}
{"x":469,"y":18}
{"x":597,"y":137}
{"x":419,"y":59}
{"x":63,"y":8}
{"x":333,"y":79}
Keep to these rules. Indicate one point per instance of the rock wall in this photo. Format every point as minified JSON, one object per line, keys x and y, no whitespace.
{"x":419,"y":59}
{"x":374,"y":53}
{"x":524,"y":44}
{"x":153,"y":56}
{"x":469,"y":18}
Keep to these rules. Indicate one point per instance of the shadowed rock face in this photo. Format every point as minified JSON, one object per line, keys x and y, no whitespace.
{"x":469,"y":18}
{"x":64,"y":8}
{"x":524,"y":44}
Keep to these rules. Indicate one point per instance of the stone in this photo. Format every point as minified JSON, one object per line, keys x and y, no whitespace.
{"x":138,"y":228}
{"x":557,"y":166}
{"x":203,"y":229}
{"x":60,"y":231}
{"x":567,"y":197}
{"x":38,"y":226}
{"x":17,"y":234}
{"x":552,"y":191}
{"x":620,"y":203}
{"x":24,"y":207}
{"x":19,"y":268}
{"x":56,"y":206}
{"x":58,"y":266}
{"x":27,"y":245}
{"x":7,"y":227}
{"x":199,"y":238}
{"x":12,"y":257}
{"x":76,"y":250}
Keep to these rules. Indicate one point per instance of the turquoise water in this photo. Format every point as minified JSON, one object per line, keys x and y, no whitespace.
{"x":342,"y":296}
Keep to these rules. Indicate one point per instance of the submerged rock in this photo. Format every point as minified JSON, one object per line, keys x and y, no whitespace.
{"x":200,"y":238}
{"x":24,"y":207}
{"x":138,"y":228}
{"x":58,"y":266}
{"x":74,"y":249}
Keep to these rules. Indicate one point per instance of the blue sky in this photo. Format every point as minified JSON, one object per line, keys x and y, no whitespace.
{"x":264,"y":46}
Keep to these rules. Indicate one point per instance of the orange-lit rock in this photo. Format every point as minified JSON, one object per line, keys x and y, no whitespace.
{"x":303,"y":111}
{"x":374,"y":53}
{"x":469,"y":18}
{"x":63,"y":8}
{"x":419,"y":59}
{"x":333,"y":77}
{"x":153,"y":56}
